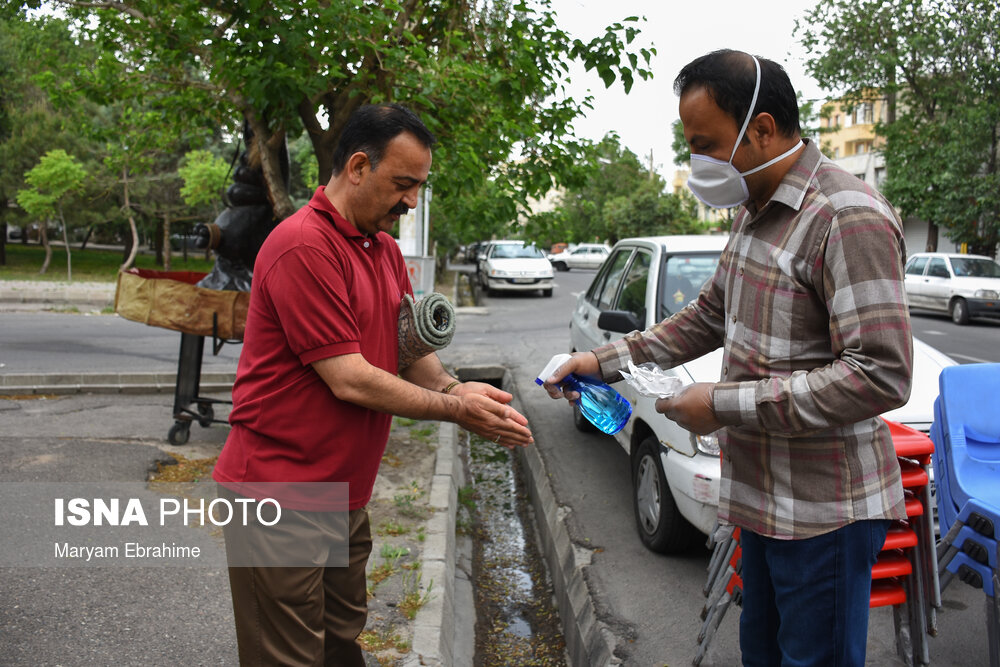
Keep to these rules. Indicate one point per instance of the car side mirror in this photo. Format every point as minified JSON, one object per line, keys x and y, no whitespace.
{"x":619,"y":321}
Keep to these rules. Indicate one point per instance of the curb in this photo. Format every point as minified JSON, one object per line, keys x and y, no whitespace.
{"x":434,"y":627}
{"x":588,"y":640}
{"x":21,"y":384}
{"x":50,"y":294}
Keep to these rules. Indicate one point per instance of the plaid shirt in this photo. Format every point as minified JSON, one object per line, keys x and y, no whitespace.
{"x":809,"y":306}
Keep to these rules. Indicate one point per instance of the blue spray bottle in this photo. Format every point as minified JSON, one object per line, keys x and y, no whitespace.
{"x":604,"y":407}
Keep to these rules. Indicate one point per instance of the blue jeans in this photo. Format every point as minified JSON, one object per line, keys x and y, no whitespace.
{"x":805,"y":602}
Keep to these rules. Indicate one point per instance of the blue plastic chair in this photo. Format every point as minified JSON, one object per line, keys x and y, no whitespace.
{"x":947,"y":511}
{"x":970,"y":432}
{"x":966,"y":459}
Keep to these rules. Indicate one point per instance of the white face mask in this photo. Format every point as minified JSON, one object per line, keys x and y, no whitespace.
{"x":719,"y":184}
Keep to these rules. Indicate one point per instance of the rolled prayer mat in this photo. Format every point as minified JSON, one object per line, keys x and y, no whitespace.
{"x":424,"y":327}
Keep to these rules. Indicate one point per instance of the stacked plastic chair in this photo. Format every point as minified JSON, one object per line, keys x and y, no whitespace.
{"x":904,"y":577}
{"x":905,"y":574}
{"x":724,"y":586}
{"x":966,"y":434}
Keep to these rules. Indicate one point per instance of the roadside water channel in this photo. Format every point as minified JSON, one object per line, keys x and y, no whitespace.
{"x":516,"y":619}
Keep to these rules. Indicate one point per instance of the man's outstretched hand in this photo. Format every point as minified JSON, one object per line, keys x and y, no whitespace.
{"x":487,"y":413}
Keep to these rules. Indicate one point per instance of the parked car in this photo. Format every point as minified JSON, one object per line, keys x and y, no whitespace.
{"x":583,"y":256}
{"x":964,"y":286}
{"x":675,"y":473}
{"x":515,"y":266}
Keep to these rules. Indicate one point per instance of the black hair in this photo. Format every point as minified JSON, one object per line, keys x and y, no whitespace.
{"x":729,"y":77}
{"x":370,"y":129}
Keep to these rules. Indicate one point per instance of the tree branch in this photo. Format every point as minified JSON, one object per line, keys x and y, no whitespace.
{"x":110,"y":4}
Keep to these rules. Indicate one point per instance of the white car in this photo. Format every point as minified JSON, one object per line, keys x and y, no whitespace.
{"x":675,"y":473}
{"x":583,"y":256}
{"x":512,"y":265}
{"x":964,"y":286}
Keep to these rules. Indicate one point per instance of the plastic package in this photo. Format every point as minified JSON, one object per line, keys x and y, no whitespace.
{"x":650,"y":380}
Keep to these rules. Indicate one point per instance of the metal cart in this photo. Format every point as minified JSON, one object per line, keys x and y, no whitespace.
{"x":188,"y":405}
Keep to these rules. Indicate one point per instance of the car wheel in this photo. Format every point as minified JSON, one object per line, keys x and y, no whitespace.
{"x":547,"y":292}
{"x":581,"y":423}
{"x":661,"y":526}
{"x":959,"y":311}
{"x":560,"y":266}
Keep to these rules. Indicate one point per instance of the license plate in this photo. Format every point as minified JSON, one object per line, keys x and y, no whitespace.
{"x":524,"y":280}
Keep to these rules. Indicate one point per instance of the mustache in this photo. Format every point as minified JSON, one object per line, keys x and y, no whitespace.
{"x":399,"y":209}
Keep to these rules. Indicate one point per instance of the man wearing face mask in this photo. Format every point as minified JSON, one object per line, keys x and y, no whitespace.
{"x":317,"y":386}
{"x":808,"y":304}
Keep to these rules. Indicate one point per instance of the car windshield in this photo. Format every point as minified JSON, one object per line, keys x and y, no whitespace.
{"x":975,"y":267}
{"x":682,"y":278}
{"x":516,"y":252}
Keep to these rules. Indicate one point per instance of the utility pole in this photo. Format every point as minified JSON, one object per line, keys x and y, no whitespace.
{"x":650,"y":164}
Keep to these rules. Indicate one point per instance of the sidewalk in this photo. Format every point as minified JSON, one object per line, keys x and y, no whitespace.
{"x":84,"y":434}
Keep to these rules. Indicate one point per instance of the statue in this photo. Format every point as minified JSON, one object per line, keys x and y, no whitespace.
{"x":240,"y":230}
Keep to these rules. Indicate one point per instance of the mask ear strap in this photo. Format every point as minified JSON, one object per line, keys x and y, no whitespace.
{"x":753,"y":103}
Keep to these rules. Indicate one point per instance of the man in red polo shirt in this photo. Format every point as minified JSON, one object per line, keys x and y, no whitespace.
{"x":316,"y":385}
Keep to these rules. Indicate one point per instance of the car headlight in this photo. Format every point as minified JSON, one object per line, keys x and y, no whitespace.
{"x":985,"y":294}
{"x":497,"y":273}
{"x":706,"y":444}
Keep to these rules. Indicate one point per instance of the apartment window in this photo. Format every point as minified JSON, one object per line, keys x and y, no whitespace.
{"x":867,"y":113}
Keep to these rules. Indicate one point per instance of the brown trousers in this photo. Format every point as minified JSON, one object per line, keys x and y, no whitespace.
{"x":304,"y":615}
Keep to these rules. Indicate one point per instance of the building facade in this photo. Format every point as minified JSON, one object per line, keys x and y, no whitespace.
{"x":848,"y":138}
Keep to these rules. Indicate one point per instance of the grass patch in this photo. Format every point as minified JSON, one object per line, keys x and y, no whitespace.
{"x":413,"y":599}
{"x":383,"y":640}
{"x":90,"y":265}
{"x":406,"y":502}
{"x":424,"y":433}
{"x":390,"y":552}
{"x":389,"y":527}
{"x":184,"y":470}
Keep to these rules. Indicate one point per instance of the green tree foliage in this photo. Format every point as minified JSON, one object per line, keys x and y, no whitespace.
{"x":58,"y":91}
{"x":56,"y":176}
{"x":487,"y":76}
{"x":679,"y":145}
{"x":204,"y":176}
{"x":30,"y":124}
{"x":937,"y":64}
{"x":618,"y":197}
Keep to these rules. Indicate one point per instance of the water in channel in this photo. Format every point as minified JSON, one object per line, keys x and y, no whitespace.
{"x":516,"y":619}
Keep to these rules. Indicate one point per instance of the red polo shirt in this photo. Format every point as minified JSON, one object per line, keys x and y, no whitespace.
{"x":320,"y":289}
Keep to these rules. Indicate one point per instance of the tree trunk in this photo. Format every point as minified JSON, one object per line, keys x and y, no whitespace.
{"x":269,"y":146}
{"x":65,"y":235}
{"x":166,"y":240}
{"x":158,"y":249}
{"x":127,"y":264}
{"x":90,"y":230}
{"x":932,"y":237}
{"x":43,"y":236}
{"x":3,"y":245}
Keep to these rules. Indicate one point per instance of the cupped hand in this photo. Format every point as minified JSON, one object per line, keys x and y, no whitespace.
{"x":494,"y":421}
{"x":692,"y":408}
{"x":483,"y":389}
